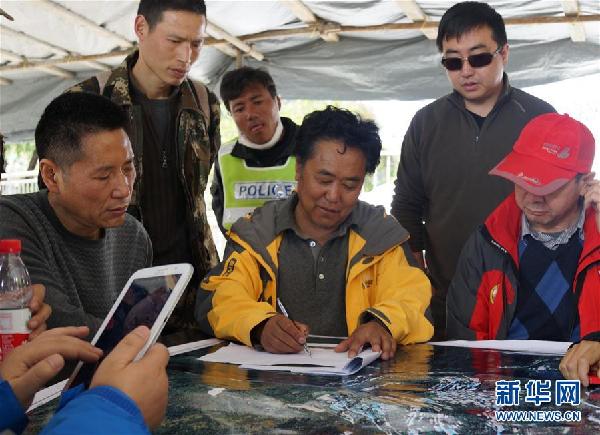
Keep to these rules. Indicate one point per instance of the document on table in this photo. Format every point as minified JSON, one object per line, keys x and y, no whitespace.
{"x":540,"y":347}
{"x":322,"y":361}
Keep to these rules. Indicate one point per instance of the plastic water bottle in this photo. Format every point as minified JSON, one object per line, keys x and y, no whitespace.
{"x":15,"y":294}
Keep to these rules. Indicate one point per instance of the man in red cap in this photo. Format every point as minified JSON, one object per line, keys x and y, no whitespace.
{"x":532,"y":271}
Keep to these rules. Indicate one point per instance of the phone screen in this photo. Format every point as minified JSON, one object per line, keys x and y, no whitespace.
{"x":141,"y":305}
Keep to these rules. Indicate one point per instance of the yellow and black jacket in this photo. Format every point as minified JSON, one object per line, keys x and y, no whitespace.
{"x":380,"y":282}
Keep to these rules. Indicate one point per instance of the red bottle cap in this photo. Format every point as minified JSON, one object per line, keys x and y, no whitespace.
{"x":8,"y":246}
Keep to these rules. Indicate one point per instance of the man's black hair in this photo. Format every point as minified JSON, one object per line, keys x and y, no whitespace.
{"x":236,"y":81}
{"x":464,"y":17}
{"x":152,"y":10}
{"x":68,"y":119}
{"x":340,"y":125}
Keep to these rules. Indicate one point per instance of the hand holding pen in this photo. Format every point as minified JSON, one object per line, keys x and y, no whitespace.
{"x":283,"y":335}
{"x":285,"y":313}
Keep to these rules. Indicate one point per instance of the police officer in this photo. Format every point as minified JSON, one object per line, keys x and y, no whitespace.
{"x":258,"y":166}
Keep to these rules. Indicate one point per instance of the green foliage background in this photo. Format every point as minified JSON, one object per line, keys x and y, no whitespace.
{"x":17,"y":155}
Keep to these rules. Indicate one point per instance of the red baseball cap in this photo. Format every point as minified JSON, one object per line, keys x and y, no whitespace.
{"x":551,"y":150}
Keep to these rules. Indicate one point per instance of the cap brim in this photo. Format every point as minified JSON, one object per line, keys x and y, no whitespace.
{"x":533,"y":175}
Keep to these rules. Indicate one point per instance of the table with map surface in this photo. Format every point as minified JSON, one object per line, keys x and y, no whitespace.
{"x":424,"y":389}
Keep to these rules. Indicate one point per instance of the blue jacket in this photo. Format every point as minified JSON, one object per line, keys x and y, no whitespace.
{"x":97,"y":411}
{"x":12,"y":414}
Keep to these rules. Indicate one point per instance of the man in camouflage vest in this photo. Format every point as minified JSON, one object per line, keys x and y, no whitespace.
{"x":174,"y":132}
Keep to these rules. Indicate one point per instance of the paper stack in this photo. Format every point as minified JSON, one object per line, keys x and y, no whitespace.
{"x":322,"y":361}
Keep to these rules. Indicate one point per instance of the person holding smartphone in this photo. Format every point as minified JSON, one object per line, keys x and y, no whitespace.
{"x":120,"y":399}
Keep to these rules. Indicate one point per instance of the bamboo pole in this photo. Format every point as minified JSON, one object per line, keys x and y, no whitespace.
{"x":520,"y":21}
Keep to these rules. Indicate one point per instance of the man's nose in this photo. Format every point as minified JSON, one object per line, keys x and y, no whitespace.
{"x":333,"y":193}
{"x":532,"y":197}
{"x":250,"y":112}
{"x":184,"y":52}
{"x":466,"y":69}
{"x":123,"y":185}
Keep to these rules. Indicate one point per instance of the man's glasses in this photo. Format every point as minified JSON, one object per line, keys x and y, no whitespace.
{"x":475,"y":60}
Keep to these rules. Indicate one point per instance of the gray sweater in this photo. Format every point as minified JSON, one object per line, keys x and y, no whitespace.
{"x":443,"y":173}
{"x":82,"y":277}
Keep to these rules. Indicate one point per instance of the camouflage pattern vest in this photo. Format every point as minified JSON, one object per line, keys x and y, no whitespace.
{"x":198,"y":143}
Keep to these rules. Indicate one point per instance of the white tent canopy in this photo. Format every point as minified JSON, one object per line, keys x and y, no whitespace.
{"x":353,"y":50}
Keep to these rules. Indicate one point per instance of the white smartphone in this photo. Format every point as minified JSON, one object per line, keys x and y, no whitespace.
{"x":148,"y":298}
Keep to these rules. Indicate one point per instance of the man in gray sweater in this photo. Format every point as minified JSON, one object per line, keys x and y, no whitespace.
{"x":78,"y":241}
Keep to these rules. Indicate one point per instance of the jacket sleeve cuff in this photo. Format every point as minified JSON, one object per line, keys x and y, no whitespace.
{"x":253,"y":322}
{"x":111,"y":394}
{"x":12,"y":414}
{"x":118,"y":398}
{"x":592,"y":336}
{"x":377,"y":315}
{"x":97,"y":411}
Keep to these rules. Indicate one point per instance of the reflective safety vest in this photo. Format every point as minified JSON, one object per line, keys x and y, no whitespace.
{"x":245,"y":187}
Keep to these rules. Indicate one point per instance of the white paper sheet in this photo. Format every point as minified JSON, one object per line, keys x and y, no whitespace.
{"x":536,"y":347}
{"x":322,"y":345}
{"x":322,"y":361}
{"x":47,"y":394}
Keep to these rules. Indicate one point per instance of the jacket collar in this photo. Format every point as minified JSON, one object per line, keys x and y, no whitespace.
{"x":117,"y":85}
{"x":504,"y":226}
{"x":372,"y":230}
{"x":283,"y":147}
{"x":591,"y":241}
{"x":119,"y":91}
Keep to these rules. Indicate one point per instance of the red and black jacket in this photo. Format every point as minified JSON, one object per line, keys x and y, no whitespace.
{"x":483,"y":295}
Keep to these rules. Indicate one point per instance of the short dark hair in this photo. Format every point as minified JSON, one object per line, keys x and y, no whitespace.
{"x":236,"y":81}
{"x":340,"y":125}
{"x":152,"y":10}
{"x":68,"y":119}
{"x":466,"y":16}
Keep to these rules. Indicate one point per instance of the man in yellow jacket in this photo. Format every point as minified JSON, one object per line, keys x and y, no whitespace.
{"x":340,"y":266}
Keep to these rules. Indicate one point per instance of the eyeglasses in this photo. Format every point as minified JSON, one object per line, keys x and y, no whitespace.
{"x":475,"y":60}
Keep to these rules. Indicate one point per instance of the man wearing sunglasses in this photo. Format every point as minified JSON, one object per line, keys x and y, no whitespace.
{"x":442,"y":190}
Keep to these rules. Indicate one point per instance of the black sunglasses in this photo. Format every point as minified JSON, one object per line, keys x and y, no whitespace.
{"x":475,"y":60}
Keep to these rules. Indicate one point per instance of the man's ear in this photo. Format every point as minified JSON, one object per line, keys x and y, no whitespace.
{"x":583,"y":183}
{"x":141,"y":27}
{"x":50,"y":173}
{"x":504,"y":53}
{"x":278,"y":99}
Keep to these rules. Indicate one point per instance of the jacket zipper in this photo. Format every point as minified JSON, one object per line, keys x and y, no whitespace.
{"x":515,"y":270}
{"x":181,"y":168}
